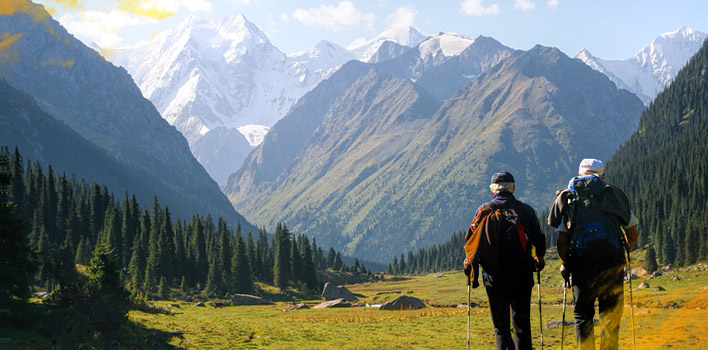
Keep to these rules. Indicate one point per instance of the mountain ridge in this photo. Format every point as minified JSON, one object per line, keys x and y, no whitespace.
{"x":513,"y":116}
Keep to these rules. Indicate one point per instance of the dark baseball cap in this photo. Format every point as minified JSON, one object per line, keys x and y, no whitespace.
{"x":502,"y":176}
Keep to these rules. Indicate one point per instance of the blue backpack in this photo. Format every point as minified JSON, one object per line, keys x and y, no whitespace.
{"x":595,"y":234}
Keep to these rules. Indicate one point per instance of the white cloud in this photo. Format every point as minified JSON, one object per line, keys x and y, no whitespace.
{"x":284,"y":17}
{"x":334,"y":18}
{"x":552,"y":3}
{"x":197,"y":5}
{"x":475,"y":8}
{"x":524,"y":5}
{"x":99,"y":27}
{"x":402,"y":17}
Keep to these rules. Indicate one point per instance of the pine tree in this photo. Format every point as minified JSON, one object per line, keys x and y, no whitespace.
{"x":16,"y":263}
{"x":83,"y":251}
{"x":338,"y":263}
{"x":296,"y":265}
{"x":650,"y":264}
{"x":241,"y":270}
{"x":310,"y":275}
{"x":211,"y":288}
{"x":62,"y":209}
{"x":163,"y":290}
{"x":331,"y":255}
{"x":692,"y":244}
{"x":251,"y":254}
{"x":225,"y":251}
{"x":105,"y":290}
{"x":17,"y":184}
{"x":198,"y":249}
{"x":96,"y":210}
{"x":281,"y":269}
{"x":668,"y":251}
{"x":136,"y":266}
{"x":165,"y":246}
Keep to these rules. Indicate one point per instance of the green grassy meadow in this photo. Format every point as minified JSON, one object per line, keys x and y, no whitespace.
{"x":673,"y":319}
{"x":676,"y":318}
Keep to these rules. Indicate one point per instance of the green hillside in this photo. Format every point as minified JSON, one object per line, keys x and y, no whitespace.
{"x":663,"y":167}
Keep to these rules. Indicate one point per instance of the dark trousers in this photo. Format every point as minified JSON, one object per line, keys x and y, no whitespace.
{"x":605,"y":285}
{"x":516,"y":299}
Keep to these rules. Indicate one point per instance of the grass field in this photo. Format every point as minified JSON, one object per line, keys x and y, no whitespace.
{"x":673,"y":319}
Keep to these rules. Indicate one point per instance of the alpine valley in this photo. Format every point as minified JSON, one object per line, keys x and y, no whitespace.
{"x":375,"y":164}
{"x":375,"y":149}
{"x":396,"y":147}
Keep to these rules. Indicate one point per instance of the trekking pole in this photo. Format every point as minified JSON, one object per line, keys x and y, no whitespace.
{"x":469,"y":301}
{"x":565,"y":288}
{"x":540,"y":315}
{"x":631,"y":301}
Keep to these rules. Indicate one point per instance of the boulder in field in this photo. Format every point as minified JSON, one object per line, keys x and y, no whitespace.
{"x":298,"y":306}
{"x":219,"y":303}
{"x":643,"y":285}
{"x":464,"y":306}
{"x":247,"y":299}
{"x":332,"y":292}
{"x":200,"y":304}
{"x":403,"y":302}
{"x":175,"y":306}
{"x":341,"y":302}
{"x":658,"y":289}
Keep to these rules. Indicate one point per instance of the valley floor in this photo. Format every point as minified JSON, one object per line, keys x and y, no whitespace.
{"x":672,"y":319}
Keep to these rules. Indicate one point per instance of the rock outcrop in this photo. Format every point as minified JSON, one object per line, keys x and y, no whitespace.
{"x":247,"y":299}
{"x":341,"y":302}
{"x":404,"y":302}
{"x":332,"y":292}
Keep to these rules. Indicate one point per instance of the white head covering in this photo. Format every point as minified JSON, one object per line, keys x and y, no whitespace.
{"x":591,"y":167}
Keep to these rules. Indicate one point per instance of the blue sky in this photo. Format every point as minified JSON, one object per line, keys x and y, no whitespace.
{"x":610,"y":29}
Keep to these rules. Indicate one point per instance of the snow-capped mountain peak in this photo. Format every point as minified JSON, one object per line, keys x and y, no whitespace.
{"x":225,"y":73}
{"x":365,"y":49}
{"x":323,"y":58}
{"x":447,"y":44}
{"x":653,"y":67}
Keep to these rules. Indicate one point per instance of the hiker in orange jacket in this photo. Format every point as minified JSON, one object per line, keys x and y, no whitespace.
{"x":500,"y":239}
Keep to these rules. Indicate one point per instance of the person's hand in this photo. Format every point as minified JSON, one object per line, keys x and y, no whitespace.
{"x":540,"y":263}
{"x":565,"y":272}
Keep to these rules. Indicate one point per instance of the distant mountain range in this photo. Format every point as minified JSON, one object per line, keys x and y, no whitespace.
{"x":653,"y":67}
{"x":102,"y":105}
{"x":204,"y":75}
{"x":372,"y":163}
{"x":208,"y":75}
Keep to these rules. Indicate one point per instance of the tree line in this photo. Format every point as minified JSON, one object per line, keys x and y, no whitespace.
{"x":663,"y":168}
{"x":155,"y":254}
{"x":440,"y":257}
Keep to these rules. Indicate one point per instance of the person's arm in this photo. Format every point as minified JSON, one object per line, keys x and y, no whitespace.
{"x":563,"y":245}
